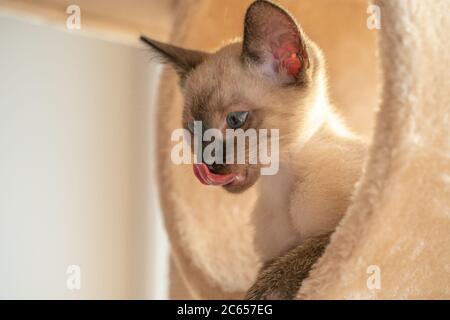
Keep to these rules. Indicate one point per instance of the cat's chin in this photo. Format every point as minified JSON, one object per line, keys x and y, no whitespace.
{"x":245,"y":179}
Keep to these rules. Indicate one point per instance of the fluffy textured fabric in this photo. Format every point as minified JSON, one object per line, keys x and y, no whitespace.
{"x":399,"y":222}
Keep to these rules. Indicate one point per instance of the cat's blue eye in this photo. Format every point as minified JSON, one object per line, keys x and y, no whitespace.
{"x":237,"y":119}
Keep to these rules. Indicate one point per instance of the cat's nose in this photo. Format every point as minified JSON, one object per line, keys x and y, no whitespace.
{"x":215,"y":167}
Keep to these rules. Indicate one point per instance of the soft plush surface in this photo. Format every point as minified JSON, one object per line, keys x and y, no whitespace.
{"x":400,"y":217}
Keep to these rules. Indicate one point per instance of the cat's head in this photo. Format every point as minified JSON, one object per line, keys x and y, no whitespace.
{"x":272,"y":79}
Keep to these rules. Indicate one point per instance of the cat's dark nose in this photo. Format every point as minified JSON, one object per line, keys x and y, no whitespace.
{"x":215,"y":167}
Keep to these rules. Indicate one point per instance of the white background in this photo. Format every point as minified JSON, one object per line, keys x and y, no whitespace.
{"x":76,"y":167}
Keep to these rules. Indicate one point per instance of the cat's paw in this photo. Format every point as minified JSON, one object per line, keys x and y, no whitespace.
{"x":282,"y":277}
{"x":275,"y":282}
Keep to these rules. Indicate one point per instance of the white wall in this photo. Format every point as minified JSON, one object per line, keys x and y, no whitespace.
{"x":76,"y":179}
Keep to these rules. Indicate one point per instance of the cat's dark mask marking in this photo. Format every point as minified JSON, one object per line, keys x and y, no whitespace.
{"x":182,"y":60}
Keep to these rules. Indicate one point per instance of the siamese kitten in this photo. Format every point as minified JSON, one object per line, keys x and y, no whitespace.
{"x":274,"y":79}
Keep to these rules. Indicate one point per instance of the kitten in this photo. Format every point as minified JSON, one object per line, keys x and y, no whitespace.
{"x":274,"y":79}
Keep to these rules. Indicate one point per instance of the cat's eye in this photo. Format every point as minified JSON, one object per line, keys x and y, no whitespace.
{"x":237,"y":119}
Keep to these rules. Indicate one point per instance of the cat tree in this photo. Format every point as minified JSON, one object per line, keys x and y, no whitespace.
{"x":399,"y":222}
{"x":394,"y":241}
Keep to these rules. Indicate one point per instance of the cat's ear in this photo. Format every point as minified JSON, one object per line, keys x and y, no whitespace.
{"x":273,"y":42}
{"x":182,"y":60}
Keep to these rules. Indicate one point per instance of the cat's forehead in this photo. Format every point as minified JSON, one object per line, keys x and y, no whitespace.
{"x":206,"y":102}
{"x":216,"y":83}
{"x":202,"y":101}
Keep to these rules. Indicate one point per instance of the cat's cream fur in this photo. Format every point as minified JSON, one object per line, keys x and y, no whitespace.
{"x":319,"y":160}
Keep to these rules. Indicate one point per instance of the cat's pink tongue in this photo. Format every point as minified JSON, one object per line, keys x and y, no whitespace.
{"x":205,"y":176}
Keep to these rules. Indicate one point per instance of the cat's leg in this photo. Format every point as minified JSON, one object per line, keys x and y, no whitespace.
{"x":282,"y":277}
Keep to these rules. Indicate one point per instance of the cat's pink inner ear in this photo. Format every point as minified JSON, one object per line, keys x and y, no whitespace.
{"x":287,"y":58}
{"x":273,"y":37}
